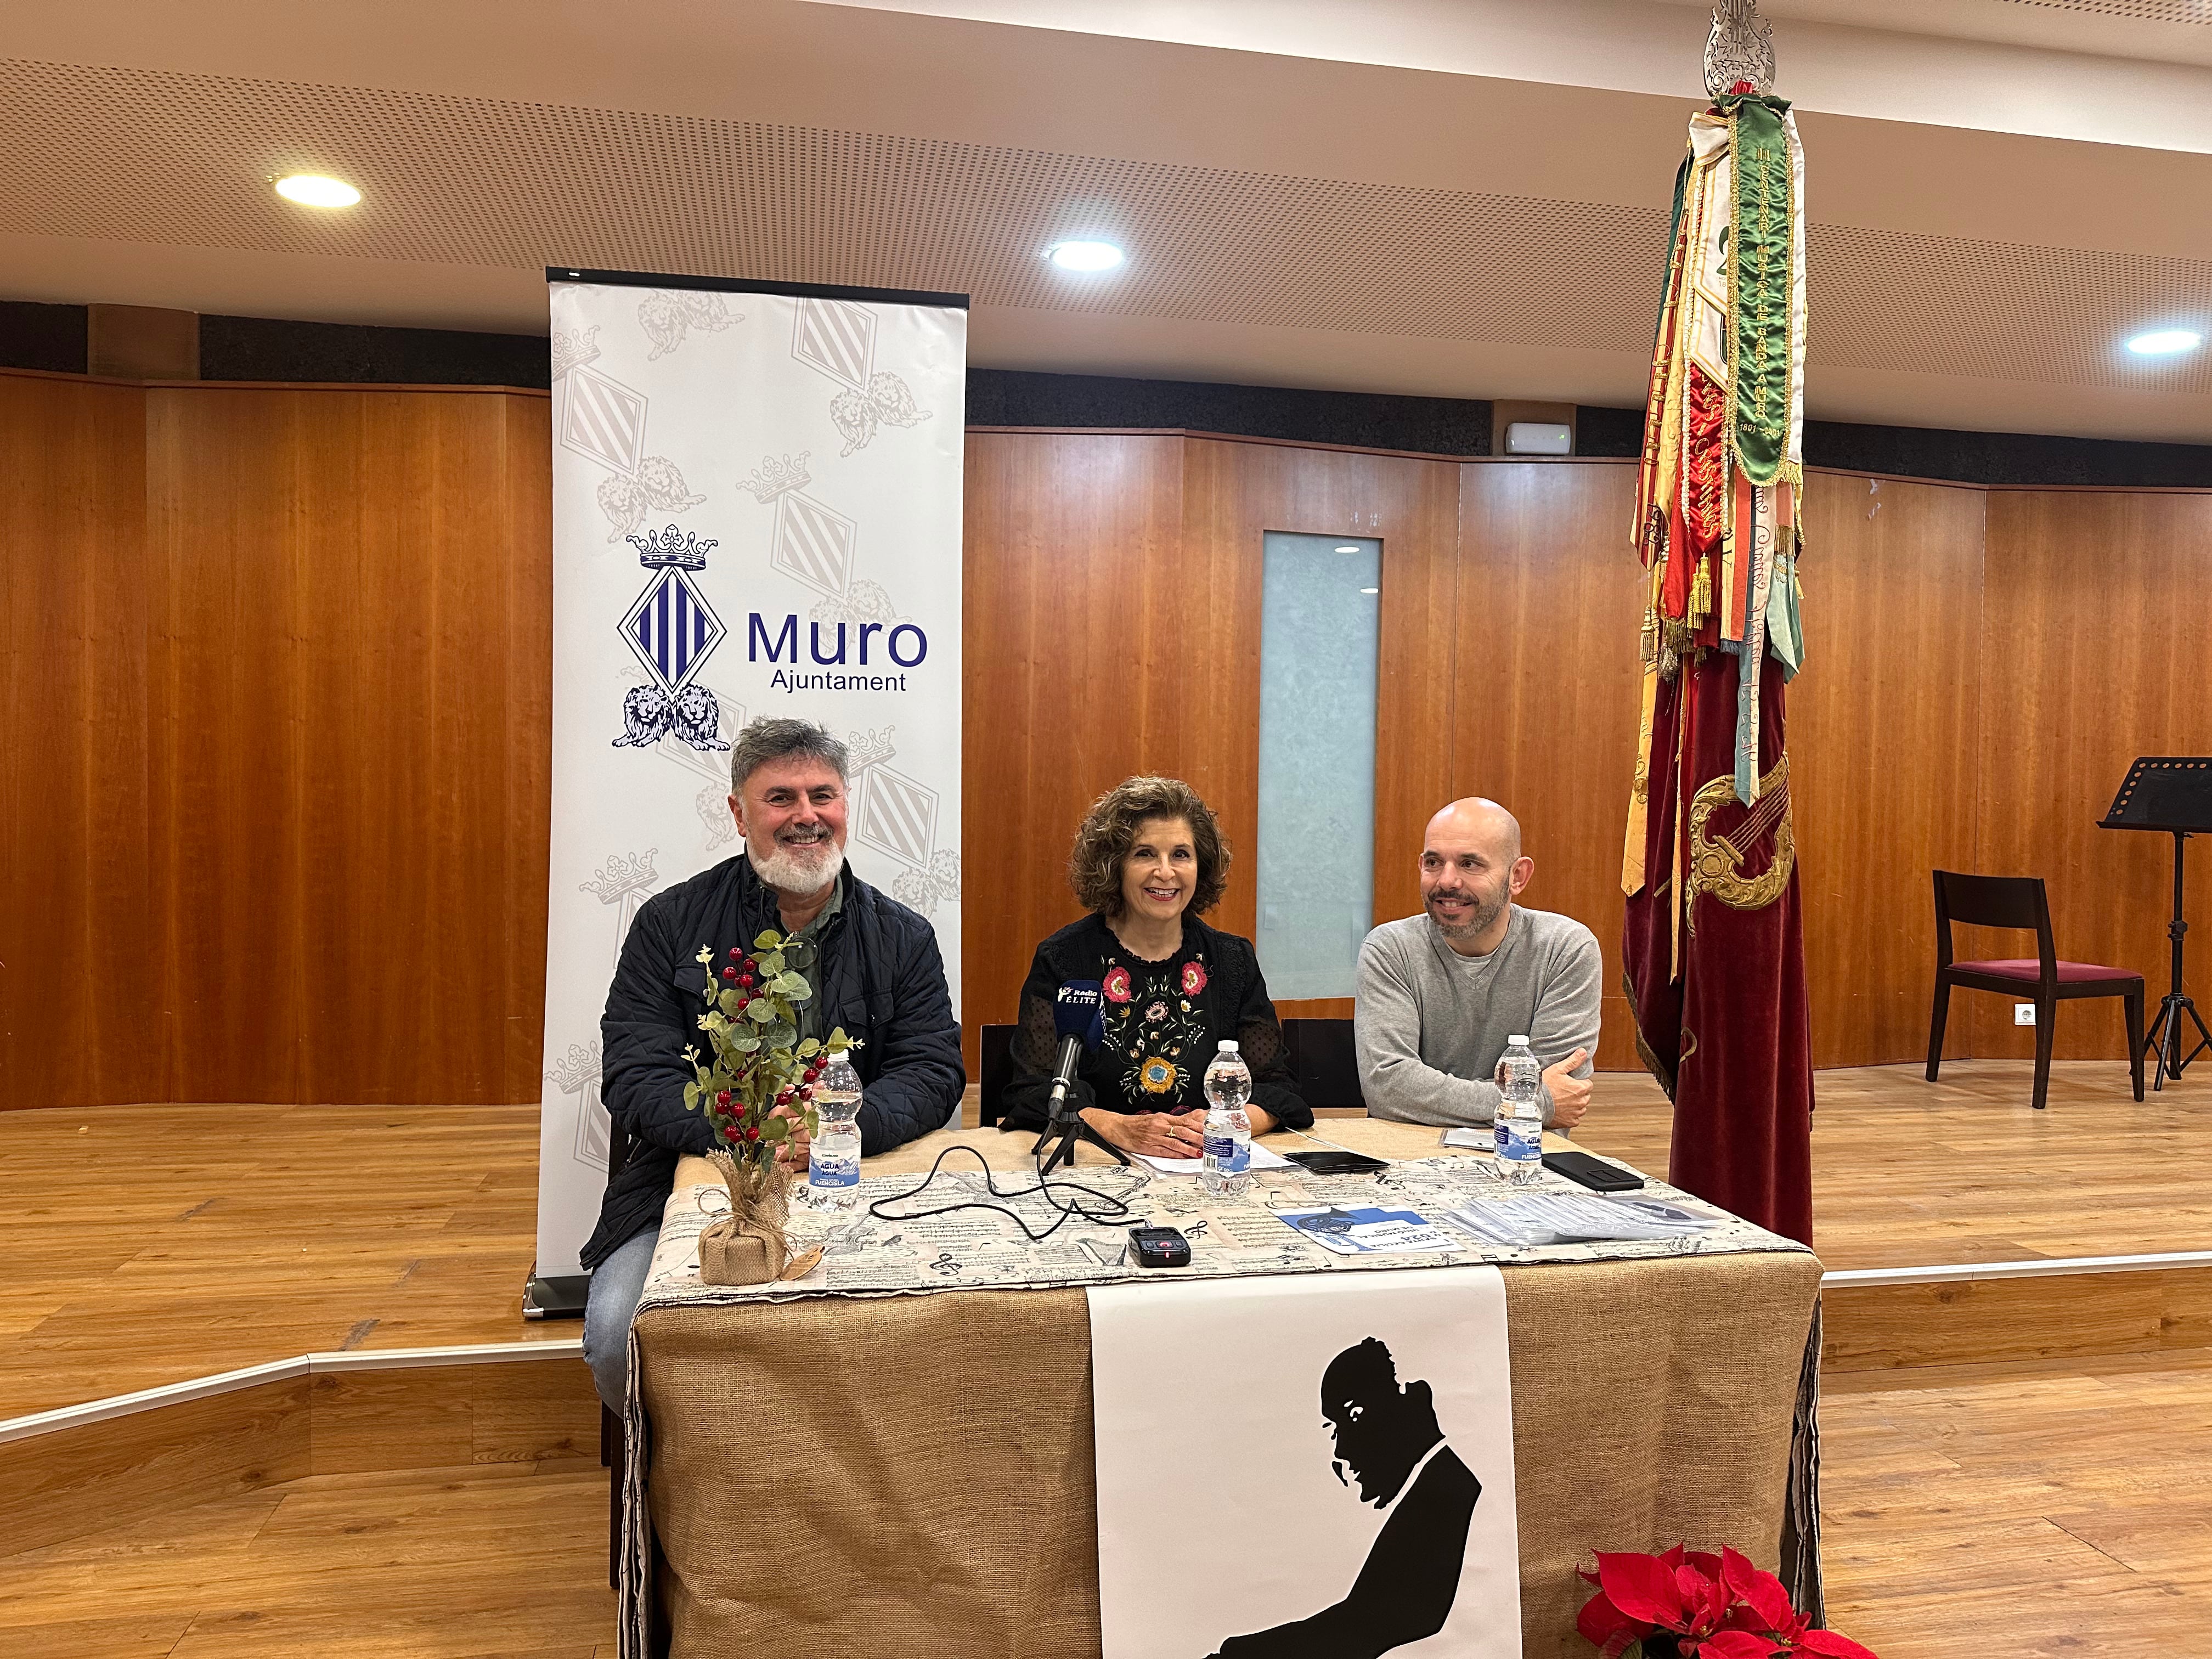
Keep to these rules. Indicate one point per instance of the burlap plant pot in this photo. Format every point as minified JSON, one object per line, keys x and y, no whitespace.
{"x":751,"y":1245}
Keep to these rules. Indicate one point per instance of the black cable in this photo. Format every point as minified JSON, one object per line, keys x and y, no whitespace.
{"x":1121,"y":1213}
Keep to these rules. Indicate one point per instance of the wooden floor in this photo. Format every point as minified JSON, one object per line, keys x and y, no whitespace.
{"x":2058,"y":1510}
{"x":437,"y":1563}
{"x":1907,"y":1172}
{"x":150,"y":1248}
{"x":2055,"y":1507}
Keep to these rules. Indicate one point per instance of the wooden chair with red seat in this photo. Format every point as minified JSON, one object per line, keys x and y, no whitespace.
{"x":2020,"y":902}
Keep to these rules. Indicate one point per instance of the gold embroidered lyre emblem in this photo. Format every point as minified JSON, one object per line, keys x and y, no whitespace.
{"x":1716,"y":861}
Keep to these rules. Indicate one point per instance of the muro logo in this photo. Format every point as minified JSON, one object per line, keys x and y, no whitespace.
{"x":904,"y":645}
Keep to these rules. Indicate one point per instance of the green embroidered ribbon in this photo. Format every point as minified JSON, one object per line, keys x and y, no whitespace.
{"x":1760,"y":281}
{"x":1650,"y":515}
{"x":1673,"y":241}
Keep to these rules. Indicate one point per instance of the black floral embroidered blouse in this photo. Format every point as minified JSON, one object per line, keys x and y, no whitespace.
{"x":1164,"y":1022}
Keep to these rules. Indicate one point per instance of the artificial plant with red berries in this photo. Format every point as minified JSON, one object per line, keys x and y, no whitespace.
{"x":759,"y":1062}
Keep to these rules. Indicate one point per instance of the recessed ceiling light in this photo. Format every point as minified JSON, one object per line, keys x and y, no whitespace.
{"x":1085,"y":256}
{"x":313,"y":190}
{"x":2166,"y":342}
{"x":1370,"y":590}
{"x":1348,"y":548}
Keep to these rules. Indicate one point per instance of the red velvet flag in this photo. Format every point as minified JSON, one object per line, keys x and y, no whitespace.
{"x":1728,"y":1036}
{"x":1713,"y":936}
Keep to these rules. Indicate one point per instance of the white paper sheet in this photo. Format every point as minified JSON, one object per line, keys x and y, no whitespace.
{"x":1262,"y":1158}
{"x":1543,"y":1217}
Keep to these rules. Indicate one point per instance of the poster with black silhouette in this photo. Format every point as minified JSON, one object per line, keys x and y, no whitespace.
{"x":1305,"y":1468}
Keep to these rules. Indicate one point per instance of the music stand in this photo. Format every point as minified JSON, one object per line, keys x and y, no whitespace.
{"x":2171,"y":794}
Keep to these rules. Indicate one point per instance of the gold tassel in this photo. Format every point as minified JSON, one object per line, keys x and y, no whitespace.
{"x":1701,"y":591}
{"x":1647,"y":638}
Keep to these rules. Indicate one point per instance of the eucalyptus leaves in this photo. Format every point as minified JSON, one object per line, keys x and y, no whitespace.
{"x":761,"y":1081}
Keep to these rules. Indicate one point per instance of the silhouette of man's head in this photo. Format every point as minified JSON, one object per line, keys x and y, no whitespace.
{"x":1381,"y":1427}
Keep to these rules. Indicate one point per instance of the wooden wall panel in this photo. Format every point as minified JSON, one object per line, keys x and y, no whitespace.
{"x":524,"y":740}
{"x":275,"y":687}
{"x":1075,"y":614}
{"x":226,"y":745}
{"x":1550,"y":597}
{"x":1235,"y":493}
{"x":1882,"y":744}
{"x":80,"y":989}
{"x":351,"y":658}
{"x":1113,"y":615}
{"x":2094,"y":648}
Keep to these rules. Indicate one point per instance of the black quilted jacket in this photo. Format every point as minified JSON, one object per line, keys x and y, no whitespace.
{"x":879,"y":976}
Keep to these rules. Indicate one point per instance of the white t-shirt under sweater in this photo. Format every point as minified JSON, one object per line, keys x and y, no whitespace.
{"x":1431,"y":1024}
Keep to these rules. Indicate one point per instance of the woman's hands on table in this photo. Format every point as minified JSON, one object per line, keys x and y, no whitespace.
{"x":1155,"y":1134}
{"x":1167,"y":1134}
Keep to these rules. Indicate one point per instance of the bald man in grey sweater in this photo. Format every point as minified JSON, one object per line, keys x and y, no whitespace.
{"x":1440,"y":993}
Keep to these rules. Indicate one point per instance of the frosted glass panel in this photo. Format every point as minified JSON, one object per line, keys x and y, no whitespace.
{"x":1320,"y":610}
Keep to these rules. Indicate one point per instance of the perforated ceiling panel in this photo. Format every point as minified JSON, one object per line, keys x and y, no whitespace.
{"x":2141,"y":11}
{"x":159,"y":157}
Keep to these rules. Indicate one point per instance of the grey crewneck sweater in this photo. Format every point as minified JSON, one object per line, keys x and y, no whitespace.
{"x":1430,"y":1025}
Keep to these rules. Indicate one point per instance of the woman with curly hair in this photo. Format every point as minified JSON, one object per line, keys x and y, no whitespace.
{"x":1148,"y":861}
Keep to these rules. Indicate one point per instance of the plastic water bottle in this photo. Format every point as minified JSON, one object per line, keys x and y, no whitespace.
{"x":833,"y":1165}
{"x":1228,"y":1152}
{"x":1520,"y":1117}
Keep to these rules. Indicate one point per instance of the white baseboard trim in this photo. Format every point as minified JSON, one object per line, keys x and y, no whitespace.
{"x":280,"y":1370}
{"x":499,"y":1353}
{"x":2039,"y":1267}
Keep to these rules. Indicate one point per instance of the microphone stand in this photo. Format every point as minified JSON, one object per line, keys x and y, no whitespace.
{"x":1068,"y":1127}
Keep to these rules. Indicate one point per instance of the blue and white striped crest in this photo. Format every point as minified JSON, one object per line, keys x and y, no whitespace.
{"x":671,"y":629}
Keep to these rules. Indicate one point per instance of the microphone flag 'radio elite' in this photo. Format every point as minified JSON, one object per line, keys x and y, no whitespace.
{"x":1079,"y":1014}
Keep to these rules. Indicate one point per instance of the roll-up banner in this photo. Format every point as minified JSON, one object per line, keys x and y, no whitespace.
{"x":755,"y":512}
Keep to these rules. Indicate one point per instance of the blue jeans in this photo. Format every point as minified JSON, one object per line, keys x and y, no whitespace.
{"x":616,"y":1285}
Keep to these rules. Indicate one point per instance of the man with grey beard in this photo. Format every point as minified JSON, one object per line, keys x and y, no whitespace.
{"x":1440,"y":993}
{"x":877,"y":972}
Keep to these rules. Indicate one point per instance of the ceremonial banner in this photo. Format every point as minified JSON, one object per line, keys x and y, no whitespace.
{"x":755,"y":512}
{"x":1713,"y":938}
{"x":1295,"y":1467}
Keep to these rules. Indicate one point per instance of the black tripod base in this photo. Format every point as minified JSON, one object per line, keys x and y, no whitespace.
{"x":1068,"y":1131}
{"x":2167,"y":1035}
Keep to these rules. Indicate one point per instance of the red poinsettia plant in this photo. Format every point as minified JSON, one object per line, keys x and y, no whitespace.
{"x":1689,"y":1603}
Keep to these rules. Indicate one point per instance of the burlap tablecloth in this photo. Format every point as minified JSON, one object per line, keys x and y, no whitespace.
{"x":913,"y":1476}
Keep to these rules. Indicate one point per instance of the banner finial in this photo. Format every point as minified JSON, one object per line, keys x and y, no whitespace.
{"x":1739,"y":49}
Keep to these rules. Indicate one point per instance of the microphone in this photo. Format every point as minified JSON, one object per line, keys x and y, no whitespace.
{"x":1079,"y":1015}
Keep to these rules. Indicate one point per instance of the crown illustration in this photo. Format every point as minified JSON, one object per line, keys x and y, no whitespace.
{"x":864,"y":750}
{"x":686,"y":553}
{"x":776,"y":474}
{"x":579,"y":1070}
{"x":623,"y":874}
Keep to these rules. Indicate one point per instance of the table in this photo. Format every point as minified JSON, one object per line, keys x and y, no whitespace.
{"x":911,"y":1475}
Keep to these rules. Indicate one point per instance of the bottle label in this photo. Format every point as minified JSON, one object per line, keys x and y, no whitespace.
{"x":1222,"y":1149}
{"x":833,"y":1172}
{"x":1243,"y":1160}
